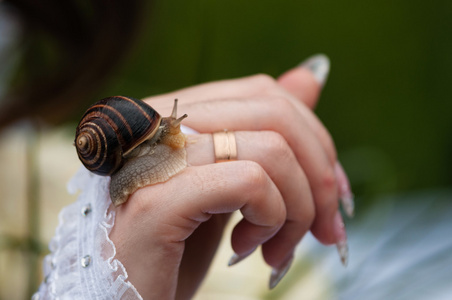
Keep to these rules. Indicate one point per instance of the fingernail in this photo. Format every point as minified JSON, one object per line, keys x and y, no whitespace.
{"x":341,"y":238}
{"x":278,"y":273}
{"x":345,"y":194}
{"x":235,"y":258}
{"x":319,"y":65}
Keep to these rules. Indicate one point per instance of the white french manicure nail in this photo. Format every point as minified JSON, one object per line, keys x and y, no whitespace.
{"x":278,"y":273}
{"x":341,"y":238}
{"x":342,"y":249}
{"x":345,"y":194}
{"x":319,"y":65}
{"x":235,"y":258}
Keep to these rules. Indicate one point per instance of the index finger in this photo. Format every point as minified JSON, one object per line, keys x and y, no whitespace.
{"x":303,"y":82}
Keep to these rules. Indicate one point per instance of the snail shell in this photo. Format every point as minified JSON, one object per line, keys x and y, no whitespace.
{"x":112,"y":128}
{"x":127,"y":139}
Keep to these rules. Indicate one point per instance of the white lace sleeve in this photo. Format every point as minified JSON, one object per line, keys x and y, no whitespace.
{"x":81,"y":264}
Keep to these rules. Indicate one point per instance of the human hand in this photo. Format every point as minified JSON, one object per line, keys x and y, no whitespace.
{"x":171,"y":230}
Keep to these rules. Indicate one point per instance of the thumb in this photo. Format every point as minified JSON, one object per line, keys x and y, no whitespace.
{"x":306,"y":80}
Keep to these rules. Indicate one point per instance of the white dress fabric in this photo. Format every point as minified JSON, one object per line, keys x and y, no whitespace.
{"x":82,"y":263}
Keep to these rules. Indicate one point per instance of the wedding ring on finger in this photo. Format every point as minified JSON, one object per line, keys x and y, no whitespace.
{"x":225,"y":146}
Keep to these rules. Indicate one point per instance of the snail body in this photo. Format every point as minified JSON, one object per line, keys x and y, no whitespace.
{"x":127,"y":139}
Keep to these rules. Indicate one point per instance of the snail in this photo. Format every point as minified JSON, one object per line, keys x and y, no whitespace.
{"x":127,"y":139}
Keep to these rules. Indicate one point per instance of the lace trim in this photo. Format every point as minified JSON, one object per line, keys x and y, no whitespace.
{"x":81,"y":264}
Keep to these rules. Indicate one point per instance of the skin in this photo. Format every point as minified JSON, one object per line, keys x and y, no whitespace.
{"x":166,"y":235}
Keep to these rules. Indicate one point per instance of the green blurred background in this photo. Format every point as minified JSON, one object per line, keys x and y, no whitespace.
{"x":387,"y":102}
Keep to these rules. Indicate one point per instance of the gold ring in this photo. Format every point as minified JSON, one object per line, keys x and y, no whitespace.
{"x":225,"y":146}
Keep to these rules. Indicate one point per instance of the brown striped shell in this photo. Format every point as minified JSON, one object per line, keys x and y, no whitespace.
{"x":112,"y":128}
{"x":127,"y":139}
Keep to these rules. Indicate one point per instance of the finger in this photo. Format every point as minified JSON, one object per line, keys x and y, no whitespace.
{"x":304,"y":84}
{"x":258,"y":113}
{"x":269,"y":150}
{"x":197,"y":193}
{"x":253,"y":87}
{"x":199,"y":252}
{"x":303,"y":81}
{"x":306,"y":80}
{"x":232,"y":88}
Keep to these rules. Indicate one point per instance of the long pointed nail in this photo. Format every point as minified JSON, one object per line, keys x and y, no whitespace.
{"x":235,"y":258}
{"x":278,"y":273}
{"x":341,"y":238}
{"x":345,"y":193}
{"x":342,"y":249}
{"x":319,"y":65}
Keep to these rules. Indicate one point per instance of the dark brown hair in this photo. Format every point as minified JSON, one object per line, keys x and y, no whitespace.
{"x":70,"y":49}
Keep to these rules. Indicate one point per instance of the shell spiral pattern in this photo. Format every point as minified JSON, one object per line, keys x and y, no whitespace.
{"x":111,"y":128}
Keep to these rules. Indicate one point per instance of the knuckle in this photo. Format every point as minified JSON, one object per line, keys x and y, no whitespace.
{"x":253,"y":176}
{"x":263,"y":81}
{"x":328,"y":179}
{"x":258,"y":187}
{"x":328,"y":185}
{"x":283,"y":105}
{"x":277,"y":216}
{"x":277,"y":146}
